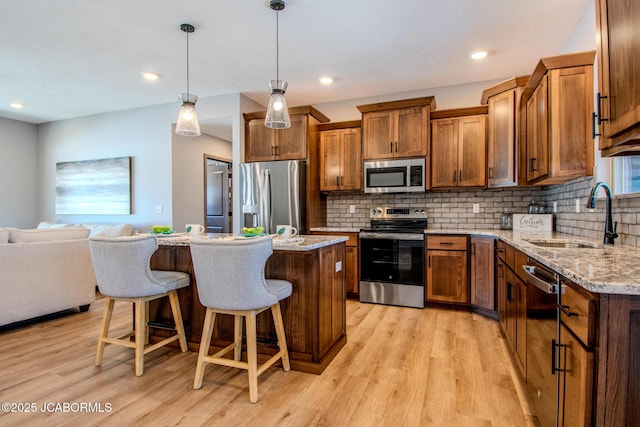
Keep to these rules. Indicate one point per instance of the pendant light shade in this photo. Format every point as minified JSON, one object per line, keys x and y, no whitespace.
{"x":187,"y":124}
{"x":277,"y":111}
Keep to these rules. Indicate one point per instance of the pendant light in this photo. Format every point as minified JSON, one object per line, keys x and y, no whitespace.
{"x":277,"y":112}
{"x":187,"y":124}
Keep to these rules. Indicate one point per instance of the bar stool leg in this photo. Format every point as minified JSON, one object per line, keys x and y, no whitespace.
{"x":205,"y":342}
{"x":252,"y":356}
{"x":177,"y":318}
{"x":282,"y":341}
{"x":104,"y":330}
{"x":140,"y":334}
{"x":237,"y":332}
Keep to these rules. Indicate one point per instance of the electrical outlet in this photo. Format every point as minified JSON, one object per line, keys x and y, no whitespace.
{"x":352,"y":208}
{"x":159,"y":209}
{"x":577,"y":205}
{"x":338,"y":266}
{"x":476,"y":208}
{"x":555,"y":207}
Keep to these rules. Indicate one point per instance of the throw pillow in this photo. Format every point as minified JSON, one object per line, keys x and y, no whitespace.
{"x":4,"y":235}
{"x":109,"y":230}
{"x":46,"y":224}
{"x":47,"y":234}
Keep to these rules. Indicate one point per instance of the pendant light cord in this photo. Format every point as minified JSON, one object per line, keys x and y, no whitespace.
{"x":188,"y":67}
{"x":277,"y":47}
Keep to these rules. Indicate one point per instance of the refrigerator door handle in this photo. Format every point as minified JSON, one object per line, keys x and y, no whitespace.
{"x":266,"y":210}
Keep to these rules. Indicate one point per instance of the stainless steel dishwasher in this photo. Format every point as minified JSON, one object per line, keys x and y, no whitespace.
{"x":543,"y":332}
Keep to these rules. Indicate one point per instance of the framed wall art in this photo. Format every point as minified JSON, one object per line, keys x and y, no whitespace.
{"x":101,"y":187}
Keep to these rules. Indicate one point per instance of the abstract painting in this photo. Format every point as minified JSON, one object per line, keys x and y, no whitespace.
{"x":100,"y":187}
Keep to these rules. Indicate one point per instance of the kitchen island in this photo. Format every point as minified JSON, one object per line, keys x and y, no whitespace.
{"x":314,"y":315}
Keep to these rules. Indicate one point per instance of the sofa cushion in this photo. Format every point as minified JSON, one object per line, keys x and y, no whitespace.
{"x":4,"y":235}
{"x":109,"y":230}
{"x":46,"y":224}
{"x":47,"y":234}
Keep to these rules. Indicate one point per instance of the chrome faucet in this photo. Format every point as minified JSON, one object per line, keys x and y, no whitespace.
{"x":609,"y":226}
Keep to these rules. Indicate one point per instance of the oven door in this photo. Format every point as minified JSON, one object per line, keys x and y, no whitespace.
{"x":392,"y":258}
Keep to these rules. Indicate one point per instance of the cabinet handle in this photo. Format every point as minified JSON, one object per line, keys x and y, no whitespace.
{"x":391,"y":147}
{"x":594,"y":131}
{"x":455,"y":175}
{"x":273,"y":150}
{"x":531,"y":164}
{"x":460,"y":174}
{"x":555,"y":346}
{"x":429,"y":261}
{"x":509,"y":296}
{"x":473,"y":249}
{"x":396,"y":146}
{"x":341,"y":180}
{"x":446,"y":243}
{"x":565,"y":310}
{"x":490,"y":172}
{"x":600,"y":119}
{"x":337,"y":180}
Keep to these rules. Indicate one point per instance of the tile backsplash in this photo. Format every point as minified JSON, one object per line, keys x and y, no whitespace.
{"x":454,"y":209}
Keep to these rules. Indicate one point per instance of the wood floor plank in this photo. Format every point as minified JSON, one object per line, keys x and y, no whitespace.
{"x":400,"y":366}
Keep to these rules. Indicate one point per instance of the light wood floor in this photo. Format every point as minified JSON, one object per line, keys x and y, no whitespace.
{"x":400,"y":367}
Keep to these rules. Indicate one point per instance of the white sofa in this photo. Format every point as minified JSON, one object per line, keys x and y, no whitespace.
{"x":44,"y":271}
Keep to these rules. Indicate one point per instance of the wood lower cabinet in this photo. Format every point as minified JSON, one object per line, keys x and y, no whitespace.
{"x":458,"y":151}
{"x":618,"y":112}
{"x":314,"y":315}
{"x":575,"y":401}
{"x":396,"y":129}
{"x":352,"y":259}
{"x":340,"y":156}
{"x":558,"y":100}
{"x":447,"y":275}
{"x":482,"y":271}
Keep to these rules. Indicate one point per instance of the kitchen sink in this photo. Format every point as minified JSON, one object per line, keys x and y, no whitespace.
{"x":569,"y":244}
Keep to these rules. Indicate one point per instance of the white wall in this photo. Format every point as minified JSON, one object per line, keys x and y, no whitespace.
{"x":18,"y":174}
{"x":146,"y":135}
{"x":188,"y":168}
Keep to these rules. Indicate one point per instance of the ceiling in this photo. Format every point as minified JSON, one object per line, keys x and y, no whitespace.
{"x":70,"y":58}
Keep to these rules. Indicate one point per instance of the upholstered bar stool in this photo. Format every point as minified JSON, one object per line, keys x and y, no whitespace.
{"x":123,"y":274}
{"x":230,"y":280}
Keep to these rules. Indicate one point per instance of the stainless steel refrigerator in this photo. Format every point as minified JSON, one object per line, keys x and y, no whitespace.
{"x":273,"y":193}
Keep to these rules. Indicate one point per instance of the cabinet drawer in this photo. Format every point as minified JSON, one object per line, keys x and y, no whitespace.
{"x":353,"y":237}
{"x":447,"y":243}
{"x":579,"y":313}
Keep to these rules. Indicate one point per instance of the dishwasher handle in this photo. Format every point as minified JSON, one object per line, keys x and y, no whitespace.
{"x":539,"y":282}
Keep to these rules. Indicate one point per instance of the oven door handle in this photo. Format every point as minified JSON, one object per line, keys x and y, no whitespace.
{"x":543,"y":285}
{"x":390,"y":236}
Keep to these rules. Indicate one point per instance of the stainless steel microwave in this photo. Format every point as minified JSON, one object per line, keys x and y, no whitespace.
{"x":394,"y":176}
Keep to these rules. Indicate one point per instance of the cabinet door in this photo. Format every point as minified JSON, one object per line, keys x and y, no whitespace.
{"x":260,"y":142}
{"x":570,"y":108}
{"x":482,"y":282}
{"x":576,"y":382}
{"x":520,"y":296}
{"x":444,"y":153}
{"x":351,"y":170}
{"x":447,"y":276}
{"x":537,"y":133}
{"x":472,"y":151}
{"x":378,"y":129}
{"x":619,"y":56}
{"x":330,"y":160}
{"x":411,"y":132}
{"x":292,"y":142}
{"x":501,"y":146}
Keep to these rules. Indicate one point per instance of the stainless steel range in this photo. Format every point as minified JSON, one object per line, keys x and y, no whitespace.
{"x":392,"y":257}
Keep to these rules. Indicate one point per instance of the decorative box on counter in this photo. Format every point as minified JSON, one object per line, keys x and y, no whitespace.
{"x":532,"y":222}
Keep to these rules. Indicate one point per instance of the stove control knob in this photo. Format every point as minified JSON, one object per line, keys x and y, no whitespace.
{"x":379,"y":211}
{"x":422,"y":212}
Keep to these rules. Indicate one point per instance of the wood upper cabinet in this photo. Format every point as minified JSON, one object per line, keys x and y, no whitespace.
{"x":396,"y":129}
{"x":458,"y":151}
{"x":340,"y":156}
{"x":482,"y":272}
{"x":558,"y":100}
{"x":503,"y":131}
{"x":264,"y":144}
{"x":447,"y":276}
{"x":618,"y":28}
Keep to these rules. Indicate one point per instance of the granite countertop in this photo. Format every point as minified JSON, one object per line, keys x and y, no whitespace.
{"x":299,"y":243}
{"x":335,"y":229}
{"x":602,"y":268}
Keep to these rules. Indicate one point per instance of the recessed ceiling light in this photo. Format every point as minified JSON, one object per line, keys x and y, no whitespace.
{"x":326,"y":80}
{"x":479,"y":54}
{"x":17,"y":105}
{"x":150,"y":75}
